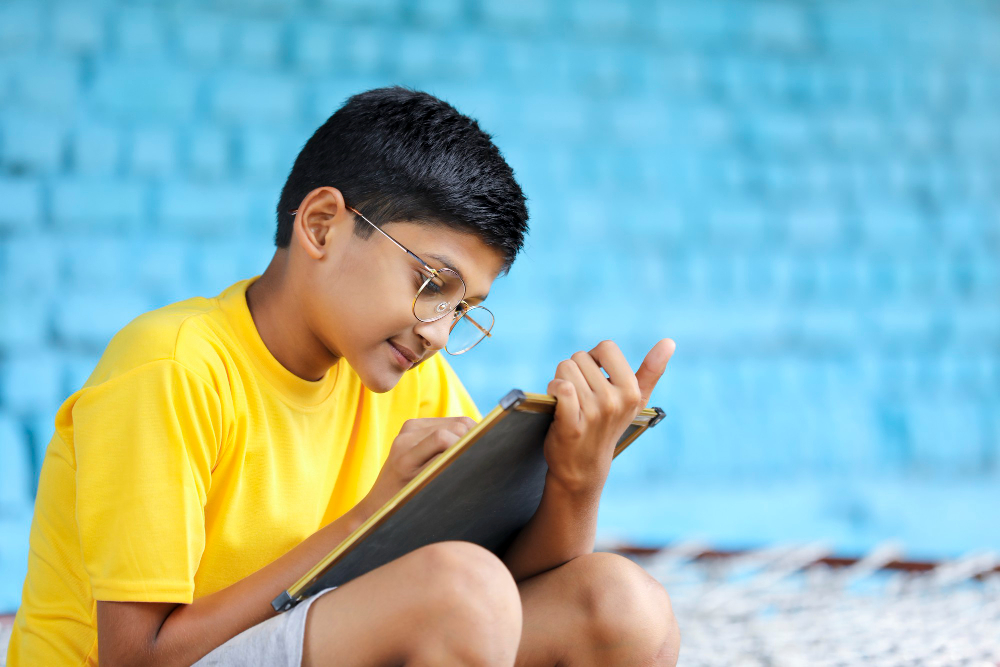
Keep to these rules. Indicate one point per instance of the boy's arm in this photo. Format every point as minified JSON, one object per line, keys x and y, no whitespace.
{"x":563,"y":527}
{"x":592,"y":412}
{"x":166,"y":633}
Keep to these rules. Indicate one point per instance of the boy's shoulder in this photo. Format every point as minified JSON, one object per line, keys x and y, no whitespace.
{"x":187,"y":332}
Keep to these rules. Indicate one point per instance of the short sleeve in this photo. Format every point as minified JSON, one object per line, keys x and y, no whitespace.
{"x":145,"y":442}
{"x":442,"y":394}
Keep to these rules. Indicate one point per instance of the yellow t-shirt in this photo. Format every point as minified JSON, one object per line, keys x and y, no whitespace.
{"x":192,"y":458}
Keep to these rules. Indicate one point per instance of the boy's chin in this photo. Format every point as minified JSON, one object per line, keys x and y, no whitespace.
{"x":383,"y":380}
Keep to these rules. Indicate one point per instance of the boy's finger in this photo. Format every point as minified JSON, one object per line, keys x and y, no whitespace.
{"x":610,"y":357}
{"x":417,"y":432}
{"x":430,"y":423}
{"x":598,"y":382}
{"x":653,"y":366}
{"x":567,"y":402}
{"x":431,"y":446}
{"x":570,"y":371}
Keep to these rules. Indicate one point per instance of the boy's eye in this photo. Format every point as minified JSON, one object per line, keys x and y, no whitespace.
{"x":431,"y":287}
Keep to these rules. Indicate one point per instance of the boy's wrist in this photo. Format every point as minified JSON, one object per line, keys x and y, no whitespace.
{"x":579,"y":491}
{"x":359,"y":514}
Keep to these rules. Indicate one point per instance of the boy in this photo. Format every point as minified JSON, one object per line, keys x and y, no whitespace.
{"x":222,"y":446}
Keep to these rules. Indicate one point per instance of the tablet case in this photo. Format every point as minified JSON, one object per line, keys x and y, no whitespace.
{"x":482,"y":489}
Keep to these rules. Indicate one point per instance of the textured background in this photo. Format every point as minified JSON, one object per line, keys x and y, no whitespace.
{"x":804,"y":195}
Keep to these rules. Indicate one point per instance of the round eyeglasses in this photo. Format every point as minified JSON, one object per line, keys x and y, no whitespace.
{"x":441,"y":293}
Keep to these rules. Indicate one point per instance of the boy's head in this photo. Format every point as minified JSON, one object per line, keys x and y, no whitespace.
{"x":426,"y":175}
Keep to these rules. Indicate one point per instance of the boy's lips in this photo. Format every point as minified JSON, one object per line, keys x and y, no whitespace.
{"x":406,"y":352}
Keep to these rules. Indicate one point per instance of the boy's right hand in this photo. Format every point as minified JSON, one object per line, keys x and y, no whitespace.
{"x":418,"y":442}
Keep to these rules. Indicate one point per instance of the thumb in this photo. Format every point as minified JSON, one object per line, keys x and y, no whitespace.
{"x":653,"y":366}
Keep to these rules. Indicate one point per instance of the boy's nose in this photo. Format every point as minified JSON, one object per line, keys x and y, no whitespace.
{"x":436,"y":333}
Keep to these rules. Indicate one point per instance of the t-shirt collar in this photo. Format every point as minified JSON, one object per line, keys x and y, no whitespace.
{"x":304,"y":392}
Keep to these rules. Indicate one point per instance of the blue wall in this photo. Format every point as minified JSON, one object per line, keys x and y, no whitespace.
{"x":805,"y":196}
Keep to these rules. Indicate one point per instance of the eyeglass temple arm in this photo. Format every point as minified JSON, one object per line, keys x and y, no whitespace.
{"x":475,"y":323}
{"x":432,"y":270}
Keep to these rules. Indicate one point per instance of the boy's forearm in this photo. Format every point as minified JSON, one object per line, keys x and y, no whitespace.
{"x":563,"y":527}
{"x":192,"y":630}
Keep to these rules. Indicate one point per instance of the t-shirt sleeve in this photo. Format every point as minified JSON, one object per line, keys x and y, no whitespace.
{"x":442,"y":394}
{"x":146,"y":442}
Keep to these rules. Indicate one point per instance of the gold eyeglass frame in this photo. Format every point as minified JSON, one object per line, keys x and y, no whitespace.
{"x":434,"y":273}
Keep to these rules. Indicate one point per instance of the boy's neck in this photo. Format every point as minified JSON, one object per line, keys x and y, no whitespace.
{"x":277,"y":313}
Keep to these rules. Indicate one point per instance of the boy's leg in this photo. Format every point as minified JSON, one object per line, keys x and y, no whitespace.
{"x":597,"y":609}
{"x":450,"y":603}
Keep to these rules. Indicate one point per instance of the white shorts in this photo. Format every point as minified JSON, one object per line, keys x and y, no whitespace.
{"x":276,"y":641}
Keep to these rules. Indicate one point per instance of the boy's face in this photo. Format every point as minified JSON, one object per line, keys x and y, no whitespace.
{"x":360,"y":293}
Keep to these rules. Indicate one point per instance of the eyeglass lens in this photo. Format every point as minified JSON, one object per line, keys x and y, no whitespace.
{"x":439,"y":297}
{"x":469,"y":329}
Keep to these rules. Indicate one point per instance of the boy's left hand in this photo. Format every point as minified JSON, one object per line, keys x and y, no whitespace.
{"x":592,"y":411}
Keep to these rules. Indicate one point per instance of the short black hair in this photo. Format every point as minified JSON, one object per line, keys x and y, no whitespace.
{"x":399,"y":154}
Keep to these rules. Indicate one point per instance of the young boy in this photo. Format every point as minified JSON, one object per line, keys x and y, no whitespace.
{"x":222,"y":446}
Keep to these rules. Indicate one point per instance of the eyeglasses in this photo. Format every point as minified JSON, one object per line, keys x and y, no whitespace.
{"x":441,"y":293}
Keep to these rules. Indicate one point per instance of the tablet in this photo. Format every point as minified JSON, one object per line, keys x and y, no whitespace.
{"x":482,"y":489}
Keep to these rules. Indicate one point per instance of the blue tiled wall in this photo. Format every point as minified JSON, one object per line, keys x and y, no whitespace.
{"x":803,"y":195}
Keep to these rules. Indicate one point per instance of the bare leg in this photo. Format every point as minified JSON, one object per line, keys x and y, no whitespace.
{"x":597,"y":609}
{"x":451,"y":603}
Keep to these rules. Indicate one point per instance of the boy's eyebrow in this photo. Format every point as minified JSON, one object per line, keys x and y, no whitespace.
{"x":448,"y":263}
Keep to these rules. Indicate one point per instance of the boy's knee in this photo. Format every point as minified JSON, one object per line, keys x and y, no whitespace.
{"x":622,"y":604}
{"x":470,"y":596}
{"x":466,"y":571}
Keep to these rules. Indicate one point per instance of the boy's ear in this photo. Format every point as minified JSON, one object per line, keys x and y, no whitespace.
{"x":321,"y":214}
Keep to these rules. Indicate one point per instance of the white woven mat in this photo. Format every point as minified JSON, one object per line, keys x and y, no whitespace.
{"x":768,"y":608}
